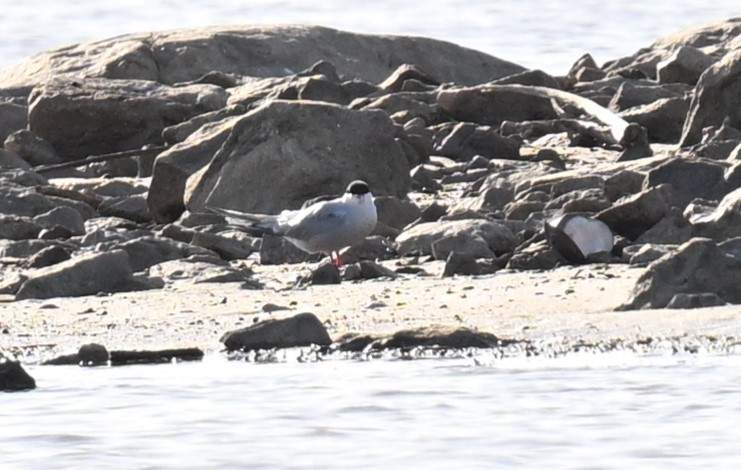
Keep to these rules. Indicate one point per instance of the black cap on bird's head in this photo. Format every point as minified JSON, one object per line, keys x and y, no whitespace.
{"x":358,"y":188}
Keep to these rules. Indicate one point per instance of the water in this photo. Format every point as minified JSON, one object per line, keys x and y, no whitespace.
{"x":609,"y":411}
{"x":542,"y":34}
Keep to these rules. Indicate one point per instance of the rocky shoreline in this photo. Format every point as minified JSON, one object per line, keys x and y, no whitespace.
{"x":604,"y":205}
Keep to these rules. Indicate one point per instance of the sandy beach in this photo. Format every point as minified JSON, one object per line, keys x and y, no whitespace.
{"x":572,"y":303}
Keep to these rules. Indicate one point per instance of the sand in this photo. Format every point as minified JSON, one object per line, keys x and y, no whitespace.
{"x":573,"y":303}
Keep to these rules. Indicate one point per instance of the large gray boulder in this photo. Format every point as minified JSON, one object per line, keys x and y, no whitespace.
{"x":256,"y":51}
{"x":104,"y":116}
{"x":715,"y":99}
{"x":83,"y":275}
{"x":285,"y":152}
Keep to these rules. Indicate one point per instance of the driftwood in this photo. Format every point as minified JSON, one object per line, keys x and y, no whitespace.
{"x":569,"y":103}
{"x":143,"y":152}
{"x":90,"y":199}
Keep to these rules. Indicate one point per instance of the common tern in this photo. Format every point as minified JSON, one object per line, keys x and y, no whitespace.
{"x":323,"y":227}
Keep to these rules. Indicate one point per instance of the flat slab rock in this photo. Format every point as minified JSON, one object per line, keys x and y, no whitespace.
{"x":429,"y":336}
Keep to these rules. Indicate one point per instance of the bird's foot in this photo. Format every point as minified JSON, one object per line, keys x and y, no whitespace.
{"x":336,"y":260}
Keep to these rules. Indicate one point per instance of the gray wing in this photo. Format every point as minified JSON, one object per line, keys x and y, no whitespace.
{"x":317,"y":221}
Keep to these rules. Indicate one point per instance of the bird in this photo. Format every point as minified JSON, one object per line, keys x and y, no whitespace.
{"x":326,"y":226}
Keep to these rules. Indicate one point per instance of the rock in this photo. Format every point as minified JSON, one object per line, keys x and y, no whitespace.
{"x":623,"y":183}
{"x":21,"y":177}
{"x":304,"y":329}
{"x":179,"y":132}
{"x":62,"y":216}
{"x":96,"y":355}
{"x":366,"y":269}
{"x":633,"y":215}
{"x":133,"y":208}
{"x":577,"y":237}
{"x":395,"y":212}
{"x":690,"y":178}
{"x":423,"y":179}
{"x":199,"y":269}
{"x":55,"y":233}
{"x":87,"y":274}
{"x":162,"y":356}
{"x":490,"y":105}
{"x":714,"y":38}
{"x":277,"y":250}
{"x":144,"y":252}
{"x":706,"y":299}
{"x":521,"y":210}
{"x":395,"y":81}
{"x":530,"y":78}
{"x":439,"y":336}
{"x":108,"y":223}
{"x":538,"y":256}
{"x":105,"y":116}
{"x":634,"y":143}
{"x":585,"y":61}
{"x":47,"y":257}
{"x":460,"y":263}
{"x":103,"y":187}
{"x":20,"y":201}
{"x":685,"y":65}
{"x":467,"y":140}
{"x":18,"y":228}
{"x":714,"y":99}
{"x":373,"y":248}
{"x":28,"y":248}
{"x":317,"y":148}
{"x":697,"y":267}
{"x":257,"y":51}
{"x":31,"y":148}
{"x":724,"y":221}
{"x":462,"y":243}
{"x":646,"y":253}
{"x":13,"y":377}
{"x":674,"y":228}
{"x":714,"y":149}
{"x":93,"y":354}
{"x":630,"y":95}
{"x":584,"y":200}
{"x":228,"y":248}
{"x":663,"y":119}
{"x":13,"y":117}
{"x":324,"y":274}
{"x":735,"y":154}
{"x":419,"y":238}
{"x":11,"y":160}
{"x":173,"y":167}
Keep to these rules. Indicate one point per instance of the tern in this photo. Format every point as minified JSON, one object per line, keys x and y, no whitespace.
{"x":323,"y":227}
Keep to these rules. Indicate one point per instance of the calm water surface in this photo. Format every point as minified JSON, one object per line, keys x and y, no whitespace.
{"x":610,"y":411}
{"x":544,"y":34}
